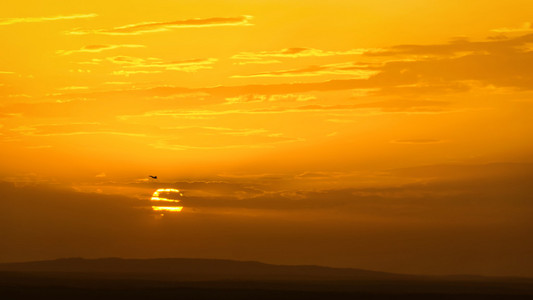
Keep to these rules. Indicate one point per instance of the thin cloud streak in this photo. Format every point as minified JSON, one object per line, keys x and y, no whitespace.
{"x":334,"y":69}
{"x":417,"y":141}
{"x":96,"y":49}
{"x":183,"y":147}
{"x":299,"y":52}
{"x":526,"y":27}
{"x":89,"y":133}
{"x":147,"y":27}
{"x":408,"y":107}
{"x":10,"y":21}
{"x":188,"y":65}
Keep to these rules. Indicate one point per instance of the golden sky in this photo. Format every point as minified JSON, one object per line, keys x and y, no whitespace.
{"x":391,"y":135}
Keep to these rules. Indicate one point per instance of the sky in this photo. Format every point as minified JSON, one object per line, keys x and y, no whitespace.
{"x":378,"y":134}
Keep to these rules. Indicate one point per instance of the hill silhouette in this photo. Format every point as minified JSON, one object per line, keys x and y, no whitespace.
{"x":169,"y":278}
{"x":196,"y":269}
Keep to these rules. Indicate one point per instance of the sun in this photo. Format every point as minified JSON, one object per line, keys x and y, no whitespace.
{"x":162,"y":204}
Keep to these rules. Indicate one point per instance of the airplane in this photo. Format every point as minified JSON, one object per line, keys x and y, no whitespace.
{"x":153,"y":177}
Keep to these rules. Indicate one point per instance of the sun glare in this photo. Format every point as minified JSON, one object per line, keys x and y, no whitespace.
{"x":167,"y":208}
{"x":156,"y":198}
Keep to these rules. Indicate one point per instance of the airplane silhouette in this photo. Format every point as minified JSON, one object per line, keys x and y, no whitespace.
{"x":153,"y":177}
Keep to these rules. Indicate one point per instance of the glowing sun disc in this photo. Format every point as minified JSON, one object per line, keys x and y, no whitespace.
{"x":167,"y":208}
{"x":167,"y":203}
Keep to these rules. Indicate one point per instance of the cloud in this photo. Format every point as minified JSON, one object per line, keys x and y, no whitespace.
{"x":161,"y":137}
{"x":269,"y":98}
{"x":10,"y":21}
{"x":189,"y":65}
{"x":136,"y":65}
{"x":375,"y":81}
{"x":146,"y":27}
{"x":167,"y":145}
{"x":219,"y":188}
{"x":258,"y":62}
{"x":39,"y":147}
{"x":424,"y":89}
{"x":9,"y":115}
{"x":89,"y":133}
{"x":118,"y":82}
{"x":96,"y":49}
{"x":499,"y":64}
{"x":398,"y":106}
{"x":169,"y":101}
{"x":133,"y":72}
{"x":456,"y":48}
{"x":321,"y":175}
{"x":292,"y":88}
{"x":469,"y":221}
{"x":19,"y":96}
{"x":475,"y":172}
{"x":217,"y":95}
{"x":73,"y":88}
{"x":212,"y":130}
{"x":420,"y":106}
{"x":196,"y":95}
{"x":526,"y":27}
{"x":273,"y":89}
{"x":70,"y":129}
{"x":297,"y":52}
{"x":270,"y":57}
{"x":417,"y":141}
{"x":221,"y":138}
{"x":447,"y":190}
{"x":351,"y":69}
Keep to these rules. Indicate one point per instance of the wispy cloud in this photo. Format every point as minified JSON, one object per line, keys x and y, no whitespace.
{"x":70,"y":129}
{"x":417,"y":141}
{"x":137,"y":65}
{"x":351,"y":69}
{"x":456,"y":49}
{"x":10,"y":21}
{"x":298,"y":52}
{"x":146,"y":27}
{"x":258,"y":62}
{"x":89,"y":133}
{"x":152,"y":65}
{"x":269,"y":98}
{"x":73,"y":88}
{"x":263,"y":142}
{"x":188,"y":65}
{"x":96,"y":48}
{"x":39,"y":147}
{"x":526,"y":27}
{"x":503,"y":64}
{"x":403,"y":107}
{"x":18,"y":96}
{"x":213,"y":130}
{"x":117,"y":82}
{"x":262,"y":89}
{"x":133,"y":72}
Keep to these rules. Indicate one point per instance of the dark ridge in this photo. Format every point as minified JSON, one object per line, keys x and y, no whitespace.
{"x":221,"y":269}
{"x":196,"y":269}
{"x":184,"y":278}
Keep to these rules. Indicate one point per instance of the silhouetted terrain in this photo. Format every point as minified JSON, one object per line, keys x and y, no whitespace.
{"x":114,"y":278}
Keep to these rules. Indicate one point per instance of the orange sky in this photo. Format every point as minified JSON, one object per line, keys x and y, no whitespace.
{"x":389,"y":135}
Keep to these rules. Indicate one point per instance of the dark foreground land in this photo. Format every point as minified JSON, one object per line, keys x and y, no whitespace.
{"x":115,"y":278}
